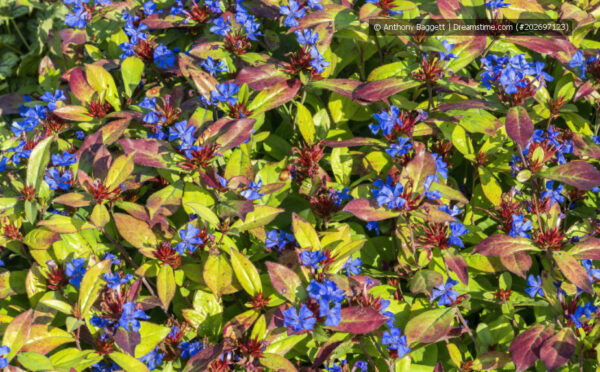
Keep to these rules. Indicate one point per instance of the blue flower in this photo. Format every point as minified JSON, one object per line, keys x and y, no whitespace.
{"x":553,"y":195}
{"x":65,"y":160}
{"x":279,"y":239}
{"x":495,"y":4}
{"x":386,"y":121}
{"x":20,"y":153}
{"x":153,"y":358}
{"x":446,"y":56}
{"x":441,"y":166}
{"x":304,"y":320}
{"x":164,"y":56}
{"x":429,"y":194}
{"x":520,"y":226}
{"x":317,"y":62}
{"x":180,"y":131}
{"x":149,"y":7}
{"x":333,"y":314}
{"x":395,"y":341}
{"x":307,"y":37}
{"x":457,"y":230}
{"x":225,"y":93}
{"x":593,"y":274}
{"x":578,"y":61}
{"x":189,"y":349}
{"x":104,"y":366}
{"x":326,"y":293}
{"x":99,"y":322}
{"x":252,"y":192}
{"x":511,"y":79}
{"x":221,"y":26}
{"x":339,"y":196}
{"x":361,"y":366}
{"x":445,"y":292}
{"x":114,"y":281}
{"x":131,"y":316}
{"x":55,"y":180}
{"x":537,"y":69}
{"x":403,"y":147}
{"x":389,"y":195}
{"x":588,"y":309}
{"x":373,"y":225}
{"x":353,"y":267}
{"x":312,"y":258}
{"x":52,"y":99}
{"x":214,"y":6}
{"x":535,"y":286}
{"x":189,"y":239}
{"x":75,"y":271}
{"x":293,"y":11}
{"x":78,"y":18}
{"x":80,"y":135}
{"x":209,"y":65}
{"x":4,"y":350}
{"x":113,"y":259}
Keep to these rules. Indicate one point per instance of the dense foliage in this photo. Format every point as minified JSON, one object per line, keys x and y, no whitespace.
{"x":274,"y":185}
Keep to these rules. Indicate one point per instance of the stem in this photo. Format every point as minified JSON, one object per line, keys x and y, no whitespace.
{"x":20,"y":34}
{"x":464,"y":323}
{"x":381,"y":352}
{"x":378,"y":47}
{"x":368,"y":356}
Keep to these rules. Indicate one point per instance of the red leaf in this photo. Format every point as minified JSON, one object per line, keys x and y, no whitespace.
{"x":502,"y":245}
{"x":260,"y":77}
{"x":469,"y":104}
{"x":525,"y":348}
{"x":379,"y":90}
{"x":573,"y":271}
{"x":558,"y":47}
{"x":457,"y":263}
{"x":230,"y":133}
{"x":359,"y":320}
{"x":518,"y":263}
{"x":577,"y":173}
{"x":158,"y":21}
{"x":519,"y":126}
{"x":588,"y":249}
{"x":324,"y":352}
{"x":148,"y":152}
{"x":367,"y":210}
{"x":284,"y":280}
{"x":345,"y":87}
{"x":79,"y":86}
{"x":558,"y":349}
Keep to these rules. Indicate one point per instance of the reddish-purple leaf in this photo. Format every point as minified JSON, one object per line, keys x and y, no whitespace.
{"x":588,"y":249}
{"x":327,"y":15}
{"x":275,"y":96}
{"x":359,"y":320}
{"x":161,"y":21}
{"x":418,"y":169}
{"x":74,"y":199}
{"x":74,"y":113}
{"x":525,"y":348}
{"x":230,"y":133}
{"x":379,"y":90}
{"x":448,"y":8}
{"x":558,"y":47}
{"x":127,"y":341}
{"x":325,"y":351}
{"x":502,"y":245}
{"x":519,"y":126}
{"x":456,"y":263}
{"x":585,"y":146}
{"x":344,"y":87}
{"x":79,"y":86}
{"x":577,"y":173}
{"x":438,"y":367}
{"x":518,"y":263}
{"x":573,"y":271}
{"x":367,"y":210}
{"x":261,"y":77}
{"x":558,"y":349}
{"x":203,"y":359}
{"x":285,"y":281}
{"x":469,"y":104}
{"x":148,"y":152}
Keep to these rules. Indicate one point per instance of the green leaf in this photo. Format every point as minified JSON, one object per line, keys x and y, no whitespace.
{"x":277,"y":363}
{"x":491,"y":186}
{"x":17,"y":332}
{"x":165,"y":201}
{"x":430,"y":327}
{"x":305,"y":123}
{"x":423,"y":281}
{"x":100,"y":216}
{"x":38,"y":159}
{"x":203,"y":212}
{"x":120,"y":169}
{"x":91,"y":285}
{"x":131,"y":70}
{"x":218,"y":274}
{"x":136,"y":232}
{"x":35,"y":361}
{"x":165,"y":285}
{"x":260,"y":216}
{"x":128,"y":363}
{"x":103,"y":82}
{"x":246,"y":273}
{"x":341,"y":164}
{"x":305,"y":233}
{"x":151,"y":335}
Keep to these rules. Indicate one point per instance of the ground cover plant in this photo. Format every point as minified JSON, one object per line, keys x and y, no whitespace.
{"x":271,"y":185}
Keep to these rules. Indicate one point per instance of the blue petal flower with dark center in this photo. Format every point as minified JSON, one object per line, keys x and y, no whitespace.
{"x":293,"y":11}
{"x":213,"y":66}
{"x":189,"y":349}
{"x":353,"y":267}
{"x":307,"y":37}
{"x":299,"y":321}
{"x":445,"y":292}
{"x":53,"y":99}
{"x":56,"y":180}
{"x":189,"y":238}
{"x":312,"y":258}
{"x":534,"y":286}
{"x":253,"y":191}
{"x":130,"y":317}
{"x":403,"y":147}
{"x":520,"y":226}
{"x":220,"y":26}
{"x":164,"y":56}
{"x":552,"y":194}
{"x":75,"y":271}
{"x":395,"y":341}
{"x":225,"y":93}
{"x":153,"y":359}
{"x":579,"y":61}
{"x":4,"y":350}
{"x":114,"y":281}
{"x":65,"y":160}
